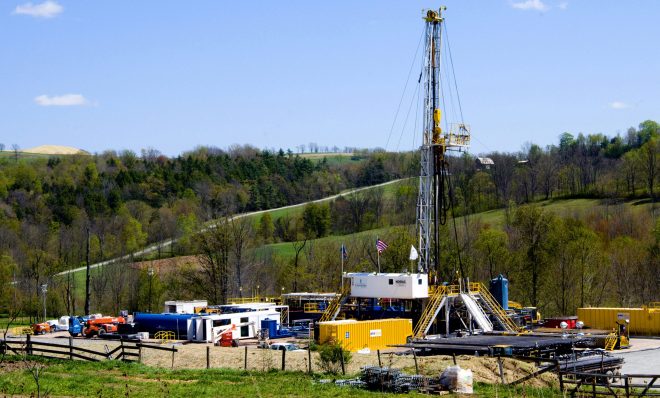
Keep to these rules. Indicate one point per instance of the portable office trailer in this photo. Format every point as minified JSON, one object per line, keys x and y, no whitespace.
{"x":283,"y":310}
{"x":246,"y":324}
{"x":392,"y":285}
{"x":184,"y":307}
{"x":357,"y":335}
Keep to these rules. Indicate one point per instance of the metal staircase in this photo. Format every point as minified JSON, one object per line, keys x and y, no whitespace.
{"x":334,"y":307}
{"x":610,"y":341}
{"x":436,"y":301}
{"x":493,"y":307}
{"x":284,"y":316}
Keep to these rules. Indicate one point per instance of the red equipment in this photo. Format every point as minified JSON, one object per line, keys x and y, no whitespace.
{"x":102,"y":326}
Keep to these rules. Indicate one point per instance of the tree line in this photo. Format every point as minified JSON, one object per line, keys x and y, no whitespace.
{"x":64,"y":212}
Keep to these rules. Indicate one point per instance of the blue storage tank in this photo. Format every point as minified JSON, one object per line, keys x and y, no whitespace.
{"x":499,"y":288}
{"x":153,"y":323}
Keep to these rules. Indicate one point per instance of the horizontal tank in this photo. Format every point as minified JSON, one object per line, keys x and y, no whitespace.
{"x":154,"y":323}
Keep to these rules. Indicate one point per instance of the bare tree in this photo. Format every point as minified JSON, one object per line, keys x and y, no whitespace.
{"x":241,"y":236}
{"x":214,"y":246}
{"x":298,"y":246}
{"x":15,"y":148}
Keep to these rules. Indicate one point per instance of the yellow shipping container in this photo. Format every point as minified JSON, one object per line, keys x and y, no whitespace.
{"x":644,"y":321}
{"x":356,"y":335}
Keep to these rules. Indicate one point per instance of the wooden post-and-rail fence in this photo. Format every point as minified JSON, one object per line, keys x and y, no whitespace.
{"x":128,"y":351}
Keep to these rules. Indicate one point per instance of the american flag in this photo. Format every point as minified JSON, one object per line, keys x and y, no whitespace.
{"x":380,"y":246}
{"x":344,"y":253}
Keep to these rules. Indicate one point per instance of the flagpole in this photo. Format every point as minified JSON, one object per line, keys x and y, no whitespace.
{"x":341,"y":254}
{"x":378,"y":254}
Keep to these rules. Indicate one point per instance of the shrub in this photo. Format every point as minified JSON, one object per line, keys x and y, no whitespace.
{"x":330,"y":357}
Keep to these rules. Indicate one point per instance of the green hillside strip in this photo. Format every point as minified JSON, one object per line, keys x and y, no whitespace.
{"x":495,"y":218}
{"x":388,"y":188}
{"x":561,"y":207}
{"x":285,"y":249}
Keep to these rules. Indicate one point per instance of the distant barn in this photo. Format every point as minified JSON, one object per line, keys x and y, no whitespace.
{"x":484,"y":163}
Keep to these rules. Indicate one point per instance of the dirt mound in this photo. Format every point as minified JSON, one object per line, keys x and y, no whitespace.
{"x":56,"y":150}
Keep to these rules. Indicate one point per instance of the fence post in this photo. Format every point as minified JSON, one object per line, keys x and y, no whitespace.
{"x":415,"y":358}
{"x":453,"y":356}
{"x":70,"y":348}
{"x":283,"y":359}
{"x":245,"y":360}
{"x":627,"y":388}
{"x":341,"y":357}
{"x":593,"y":387}
{"x":173,"y":358}
{"x":309,"y":359}
{"x":140,"y":353}
{"x":208,"y":357}
{"x":380,"y":364}
{"x":501,"y":368}
{"x":560,"y":376}
{"x":29,"y":345}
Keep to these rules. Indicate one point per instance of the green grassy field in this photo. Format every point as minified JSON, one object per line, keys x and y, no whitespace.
{"x":117,"y":379}
{"x":388,"y":193}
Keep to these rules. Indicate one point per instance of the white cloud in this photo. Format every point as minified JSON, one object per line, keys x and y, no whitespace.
{"x":563,"y":5}
{"x":61,"y":100}
{"x":47,"y":9}
{"x":537,"y":5}
{"x":618,"y":105}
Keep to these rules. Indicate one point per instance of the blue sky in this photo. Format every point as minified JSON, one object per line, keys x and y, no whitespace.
{"x":172,"y":75}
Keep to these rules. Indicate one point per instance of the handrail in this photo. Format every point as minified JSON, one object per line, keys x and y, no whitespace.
{"x":495,"y":307}
{"x":335,"y":305}
{"x":165,"y":336}
{"x":610,"y":341}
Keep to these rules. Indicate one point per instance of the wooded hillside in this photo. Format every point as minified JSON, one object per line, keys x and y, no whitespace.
{"x":62,"y":212}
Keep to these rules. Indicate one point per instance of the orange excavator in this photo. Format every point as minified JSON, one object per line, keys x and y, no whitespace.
{"x":101,"y":326}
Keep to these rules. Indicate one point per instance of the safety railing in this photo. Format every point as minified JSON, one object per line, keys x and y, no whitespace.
{"x":610,"y":341}
{"x":165,"y":336}
{"x":335,"y":305}
{"x":311,"y":307}
{"x":494,"y":307}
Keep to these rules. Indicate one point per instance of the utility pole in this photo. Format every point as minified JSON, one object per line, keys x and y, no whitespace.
{"x":44,"y":290}
{"x":151,"y":277}
{"x":87,"y":292}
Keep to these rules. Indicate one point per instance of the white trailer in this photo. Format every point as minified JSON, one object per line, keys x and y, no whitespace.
{"x":391,"y":285}
{"x":207,"y":328}
{"x":184,"y":307}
